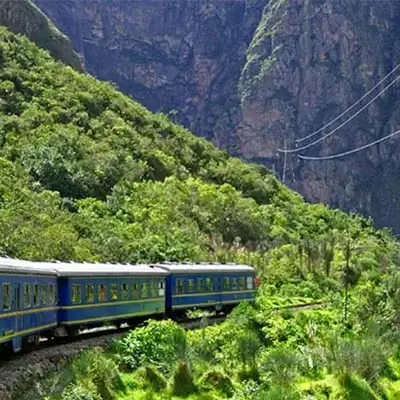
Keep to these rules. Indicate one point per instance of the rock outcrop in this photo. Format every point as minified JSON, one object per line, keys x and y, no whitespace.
{"x":24,"y":17}
{"x":255,"y":75}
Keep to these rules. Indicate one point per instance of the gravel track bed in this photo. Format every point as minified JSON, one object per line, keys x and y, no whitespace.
{"x":19,"y":373}
{"x":24,"y":370}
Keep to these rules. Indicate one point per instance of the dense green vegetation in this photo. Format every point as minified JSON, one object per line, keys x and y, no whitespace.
{"x":257,"y":354}
{"x":88,"y":174}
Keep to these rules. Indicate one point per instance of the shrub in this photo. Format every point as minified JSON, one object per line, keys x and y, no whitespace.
{"x":218,"y":380}
{"x":159,"y":343}
{"x":97,"y":373}
{"x":183,"y":385}
{"x":153,"y":378}
{"x":354,"y":387}
{"x":77,"y":392}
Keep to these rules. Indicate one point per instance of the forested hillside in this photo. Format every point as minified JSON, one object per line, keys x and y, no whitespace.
{"x":96,"y":175}
{"x":88,"y":174}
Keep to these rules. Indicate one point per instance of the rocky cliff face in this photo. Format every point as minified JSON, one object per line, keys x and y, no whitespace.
{"x":182,"y":56}
{"x":22,"y":16}
{"x":255,"y":75}
{"x":309,"y":61}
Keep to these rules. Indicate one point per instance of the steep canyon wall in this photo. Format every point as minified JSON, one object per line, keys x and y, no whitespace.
{"x":254,"y":75}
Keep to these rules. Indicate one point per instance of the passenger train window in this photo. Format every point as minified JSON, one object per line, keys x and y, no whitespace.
{"x":76,"y":293}
{"x":6,"y":296}
{"x":114,"y":291}
{"x":52,"y":294}
{"x":234,"y":283}
{"x":135,"y":291}
{"x":226,"y":284}
{"x":249,"y":282}
{"x":89,"y":293}
{"x":35,"y":295}
{"x":190,"y":285}
{"x":144,"y":292}
{"x":179,"y":286}
{"x":102,"y":293}
{"x":200,"y":285}
{"x":124,"y":292}
{"x":209,"y":285}
{"x":161,"y":289}
{"x":43,"y":294}
{"x":27,"y":295}
{"x":154,"y":289}
{"x":242,"y":283}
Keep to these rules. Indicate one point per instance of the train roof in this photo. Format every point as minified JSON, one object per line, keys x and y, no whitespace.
{"x":107,"y":269}
{"x":198,"y":268}
{"x":12,"y":265}
{"x":58,"y":268}
{"x":104,"y":269}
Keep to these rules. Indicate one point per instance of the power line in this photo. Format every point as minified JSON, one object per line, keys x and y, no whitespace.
{"x":343,"y":123}
{"x":350,"y":151}
{"x":349,"y":108}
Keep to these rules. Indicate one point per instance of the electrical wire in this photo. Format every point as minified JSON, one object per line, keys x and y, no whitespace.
{"x":349,"y":108}
{"x":296,"y":150}
{"x":350,"y":151}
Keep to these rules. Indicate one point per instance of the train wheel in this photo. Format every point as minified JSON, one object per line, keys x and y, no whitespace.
{"x":31,"y":341}
{"x":6,"y":350}
{"x":74,"y":332}
{"x":49,"y":335}
{"x":119,"y":324}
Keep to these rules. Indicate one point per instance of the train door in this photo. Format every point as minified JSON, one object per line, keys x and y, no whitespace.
{"x":17,"y":308}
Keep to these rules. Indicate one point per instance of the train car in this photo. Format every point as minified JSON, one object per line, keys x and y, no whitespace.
{"x":211,"y":286}
{"x":28,"y":303}
{"x":91,"y":295}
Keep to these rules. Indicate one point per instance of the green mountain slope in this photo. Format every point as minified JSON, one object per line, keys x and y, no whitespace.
{"x":22,"y":16}
{"x":88,"y":174}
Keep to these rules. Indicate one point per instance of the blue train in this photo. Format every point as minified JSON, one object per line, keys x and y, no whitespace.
{"x":52,"y":299}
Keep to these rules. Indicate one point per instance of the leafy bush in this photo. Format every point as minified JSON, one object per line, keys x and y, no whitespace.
{"x":248,"y":345}
{"x":281,"y":366}
{"x":96,"y":373}
{"x":215,"y":379}
{"x":366,"y":355}
{"x":153,"y":379}
{"x":159,"y":343}
{"x":77,"y":392}
{"x":183,"y":385}
{"x":352,"y":387}
{"x":249,"y":390}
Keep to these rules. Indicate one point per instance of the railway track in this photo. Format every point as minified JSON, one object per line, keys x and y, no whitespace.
{"x":301,"y":307}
